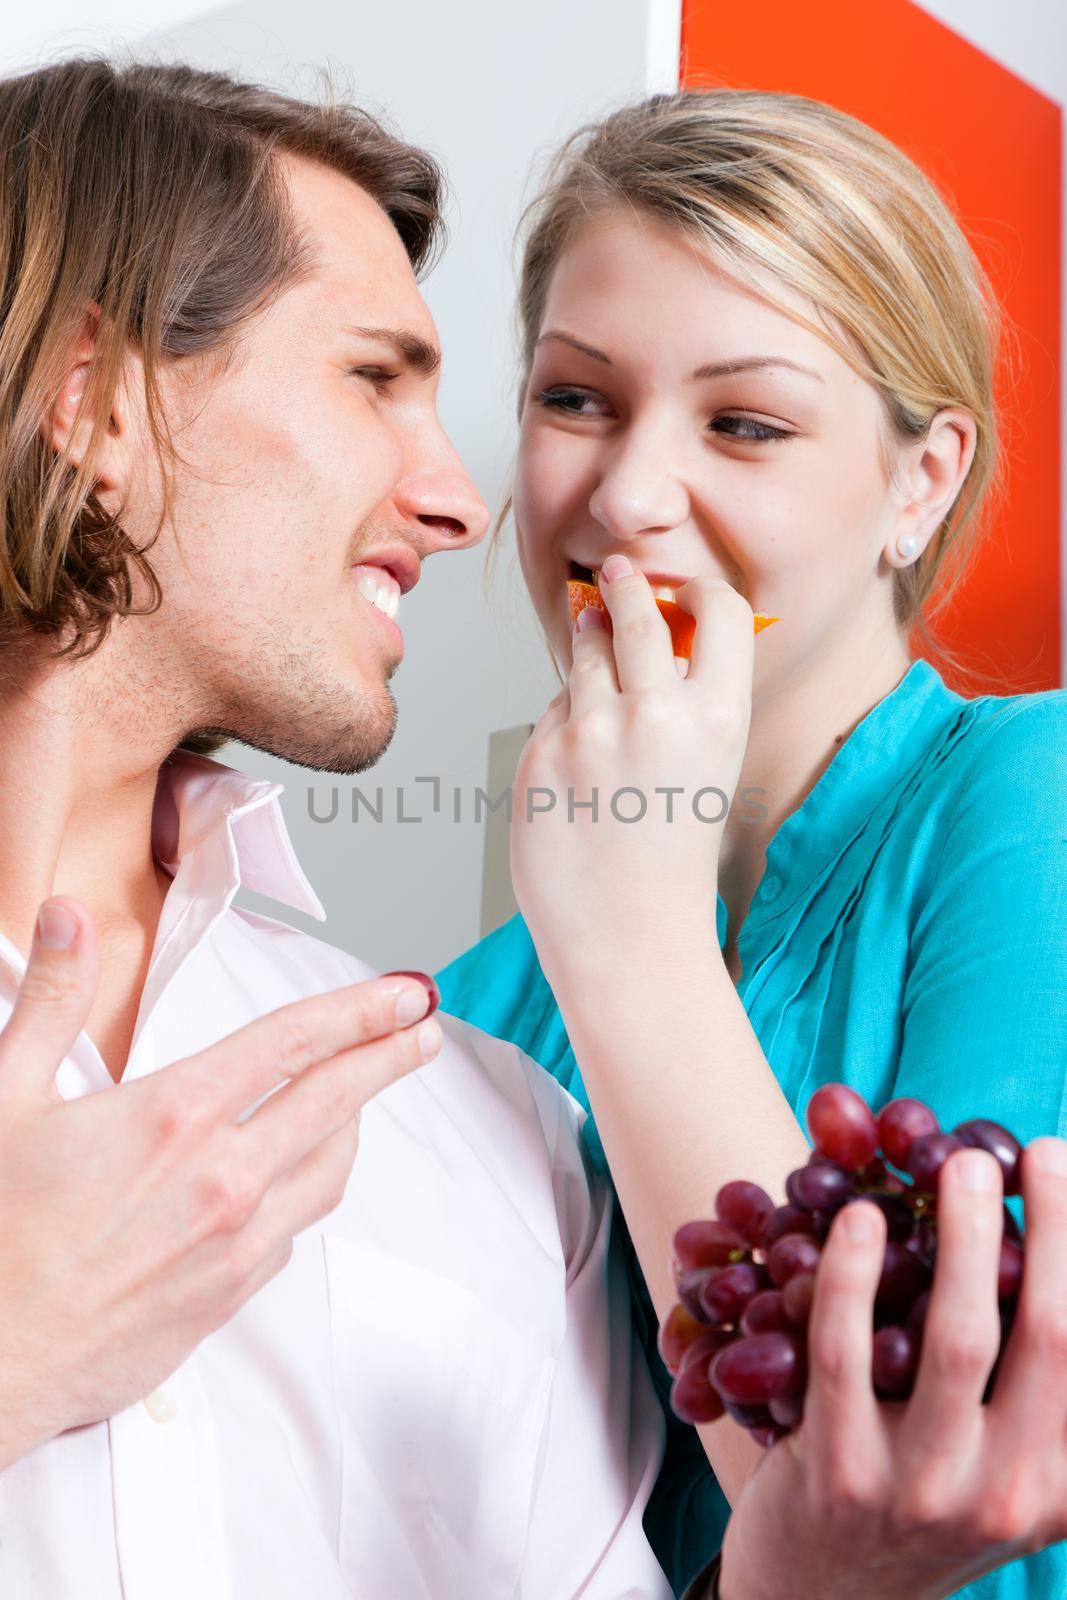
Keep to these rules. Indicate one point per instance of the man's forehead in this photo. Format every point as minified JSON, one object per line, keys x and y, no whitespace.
{"x":362,"y":271}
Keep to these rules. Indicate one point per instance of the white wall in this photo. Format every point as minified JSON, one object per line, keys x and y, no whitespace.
{"x":488,"y":86}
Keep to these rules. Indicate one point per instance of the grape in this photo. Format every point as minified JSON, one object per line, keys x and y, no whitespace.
{"x":764,"y":1313}
{"x":797,"y":1297}
{"x":710,"y":1342}
{"x":824,"y":1187}
{"x":904,"y":1277}
{"x":990,"y":1136}
{"x":1010,"y":1271}
{"x":899,"y":1217}
{"x":783,"y":1220}
{"x":748,"y":1416}
{"x":706,"y":1244}
{"x":917,"y":1315}
{"x":842,"y":1126}
{"x":676,"y":1335}
{"x":927,"y":1155}
{"x":744,"y":1207}
{"x":763,"y":1367}
{"x":728,"y":1290}
{"x":735,"y":1344}
{"x":787,"y":1410}
{"x":693,"y":1397}
{"x":899,"y":1123}
{"x":894,"y":1359}
{"x":687,"y":1286}
{"x":791,"y":1254}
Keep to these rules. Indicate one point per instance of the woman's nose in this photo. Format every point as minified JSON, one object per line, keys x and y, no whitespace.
{"x":635,"y":497}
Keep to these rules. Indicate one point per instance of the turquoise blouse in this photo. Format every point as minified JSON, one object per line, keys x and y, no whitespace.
{"x":909,"y":936}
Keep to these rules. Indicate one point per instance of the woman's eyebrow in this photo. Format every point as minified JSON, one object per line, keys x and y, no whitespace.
{"x":713,"y":369}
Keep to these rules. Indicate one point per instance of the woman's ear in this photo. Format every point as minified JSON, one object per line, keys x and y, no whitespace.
{"x":68,"y":422}
{"x":931,"y":474}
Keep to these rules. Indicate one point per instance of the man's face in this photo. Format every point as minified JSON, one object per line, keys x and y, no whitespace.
{"x":313,"y":462}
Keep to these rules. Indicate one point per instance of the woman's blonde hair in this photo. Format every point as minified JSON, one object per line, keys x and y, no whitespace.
{"x":153,"y":193}
{"x":777,"y":184}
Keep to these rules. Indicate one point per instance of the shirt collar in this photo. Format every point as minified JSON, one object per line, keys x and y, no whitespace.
{"x":882,"y":747}
{"x":196,"y":797}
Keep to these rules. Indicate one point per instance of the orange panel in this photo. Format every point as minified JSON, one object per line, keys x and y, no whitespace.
{"x":992,"y":144}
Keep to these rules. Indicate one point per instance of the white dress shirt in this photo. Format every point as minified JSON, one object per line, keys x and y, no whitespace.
{"x":438,"y":1398}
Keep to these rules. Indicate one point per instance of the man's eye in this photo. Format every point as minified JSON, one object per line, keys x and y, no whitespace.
{"x":571,"y":401}
{"x":748,"y":428}
{"x":380,"y":378}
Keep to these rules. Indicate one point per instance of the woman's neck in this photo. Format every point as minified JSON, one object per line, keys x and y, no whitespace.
{"x":795,"y":732}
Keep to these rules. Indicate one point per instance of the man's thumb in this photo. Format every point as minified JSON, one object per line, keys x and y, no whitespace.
{"x":54,"y":998}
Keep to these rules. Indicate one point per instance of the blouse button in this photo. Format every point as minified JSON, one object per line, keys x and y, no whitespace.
{"x":160,"y":1406}
{"x":771,"y":888}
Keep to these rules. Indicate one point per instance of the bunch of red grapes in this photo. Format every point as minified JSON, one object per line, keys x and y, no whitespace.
{"x":736,"y":1341}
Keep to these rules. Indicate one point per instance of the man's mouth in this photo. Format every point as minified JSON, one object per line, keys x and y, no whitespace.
{"x":379,"y":587}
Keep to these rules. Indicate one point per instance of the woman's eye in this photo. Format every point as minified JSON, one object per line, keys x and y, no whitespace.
{"x":748,"y":428}
{"x":571,"y":401}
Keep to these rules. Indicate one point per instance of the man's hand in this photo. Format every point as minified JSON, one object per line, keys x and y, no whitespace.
{"x":918,"y":1499}
{"x":134,"y":1222}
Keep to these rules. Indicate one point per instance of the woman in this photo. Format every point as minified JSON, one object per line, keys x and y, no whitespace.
{"x":757,"y":370}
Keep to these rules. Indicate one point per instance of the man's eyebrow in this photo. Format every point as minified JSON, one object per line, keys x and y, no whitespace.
{"x":421,"y":356}
{"x":714,"y":369}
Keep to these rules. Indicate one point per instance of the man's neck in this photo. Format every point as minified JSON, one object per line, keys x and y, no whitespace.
{"x":77,"y":789}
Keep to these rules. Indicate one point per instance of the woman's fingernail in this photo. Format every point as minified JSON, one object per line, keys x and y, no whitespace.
{"x":860,"y":1222}
{"x":410,"y":1006}
{"x":975,"y":1171}
{"x":56,"y":928}
{"x":616,"y":567}
{"x":589,"y":617}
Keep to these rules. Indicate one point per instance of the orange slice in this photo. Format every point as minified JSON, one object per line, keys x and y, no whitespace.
{"x":681,"y":624}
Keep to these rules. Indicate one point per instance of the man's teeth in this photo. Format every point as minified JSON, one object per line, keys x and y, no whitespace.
{"x":381,"y":589}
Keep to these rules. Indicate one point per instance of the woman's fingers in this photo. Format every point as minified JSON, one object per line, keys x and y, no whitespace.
{"x":961,"y":1333}
{"x":641,"y":639}
{"x":593,"y":675}
{"x":841,"y":1423}
{"x":724,"y":641}
{"x":1030,"y":1398}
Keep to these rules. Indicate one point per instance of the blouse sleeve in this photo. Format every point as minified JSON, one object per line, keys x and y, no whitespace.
{"x":984,"y":1023}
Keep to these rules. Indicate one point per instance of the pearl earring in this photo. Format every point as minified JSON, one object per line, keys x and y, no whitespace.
{"x":907,"y":546}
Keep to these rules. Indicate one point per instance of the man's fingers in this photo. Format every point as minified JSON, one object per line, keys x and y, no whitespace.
{"x":248,"y":1064}
{"x":54,"y":998}
{"x":322,"y":1101}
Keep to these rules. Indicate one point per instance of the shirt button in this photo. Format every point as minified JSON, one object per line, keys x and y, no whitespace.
{"x":160,"y":1406}
{"x":771,"y":888}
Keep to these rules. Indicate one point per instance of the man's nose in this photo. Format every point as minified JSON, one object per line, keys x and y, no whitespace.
{"x":444,"y":501}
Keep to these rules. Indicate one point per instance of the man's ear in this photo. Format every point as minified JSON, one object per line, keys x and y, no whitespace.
{"x":68,"y":422}
{"x":931,"y":473}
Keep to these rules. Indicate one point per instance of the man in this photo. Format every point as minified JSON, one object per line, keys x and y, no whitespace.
{"x":232,"y":1364}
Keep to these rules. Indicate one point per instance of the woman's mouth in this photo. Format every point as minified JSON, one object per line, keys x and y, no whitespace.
{"x":583,"y":589}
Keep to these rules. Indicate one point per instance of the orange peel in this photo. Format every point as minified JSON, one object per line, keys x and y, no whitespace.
{"x":680,"y":622}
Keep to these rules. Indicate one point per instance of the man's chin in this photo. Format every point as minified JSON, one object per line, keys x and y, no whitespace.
{"x":335,"y":737}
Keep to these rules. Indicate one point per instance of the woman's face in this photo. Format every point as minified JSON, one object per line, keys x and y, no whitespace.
{"x":649,"y":428}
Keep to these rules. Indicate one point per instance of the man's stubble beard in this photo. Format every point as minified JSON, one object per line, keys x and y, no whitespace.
{"x":298,"y":717}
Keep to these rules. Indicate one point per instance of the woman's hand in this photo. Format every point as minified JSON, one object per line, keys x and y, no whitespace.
{"x":917,"y":1500}
{"x":628,"y":729}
